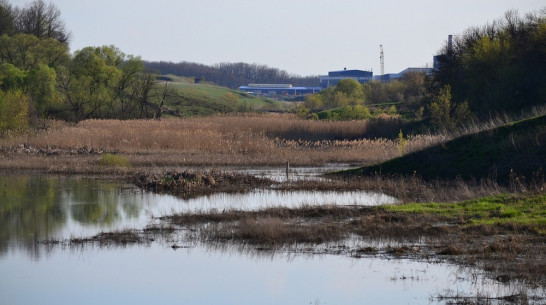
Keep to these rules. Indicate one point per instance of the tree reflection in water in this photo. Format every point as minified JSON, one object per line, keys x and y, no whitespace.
{"x":35,"y":208}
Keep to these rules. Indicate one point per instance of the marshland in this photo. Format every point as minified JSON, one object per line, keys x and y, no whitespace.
{"x":221,"y":185}
{"x":127,"y":181}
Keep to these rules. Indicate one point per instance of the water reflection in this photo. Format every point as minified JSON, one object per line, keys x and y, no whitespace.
{"x":35,"y":208}
{"x":30,"y":208}
{"x":201,"y":275}
{"x":260,"y":199}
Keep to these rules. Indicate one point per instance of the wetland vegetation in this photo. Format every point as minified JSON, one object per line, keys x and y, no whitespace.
{"x":462,"y":170}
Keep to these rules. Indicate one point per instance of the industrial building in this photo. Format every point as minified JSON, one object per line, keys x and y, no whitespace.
{"x":278,"y":89}
{"x":330,"y":80}
{"x":363,"y":77}
{"x":392,"y":76}
{"x":334,"y":77}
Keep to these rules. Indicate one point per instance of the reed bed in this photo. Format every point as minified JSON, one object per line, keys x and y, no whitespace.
{"x":226,"y":140}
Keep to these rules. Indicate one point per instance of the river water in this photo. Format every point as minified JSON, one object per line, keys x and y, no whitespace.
{"x":35,"y":208}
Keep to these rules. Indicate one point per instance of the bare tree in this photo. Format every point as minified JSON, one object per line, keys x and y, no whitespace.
{"x":7,"y":18}
{"x":42,"y":20}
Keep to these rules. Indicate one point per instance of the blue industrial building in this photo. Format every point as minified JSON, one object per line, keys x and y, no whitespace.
{"x":392,"y":76}
{"x":334,"y":77}
{"x":330,"y":80}
{"x":278,"y":89}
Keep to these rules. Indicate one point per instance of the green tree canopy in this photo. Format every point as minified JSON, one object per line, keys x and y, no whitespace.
{"x":499,"y":67}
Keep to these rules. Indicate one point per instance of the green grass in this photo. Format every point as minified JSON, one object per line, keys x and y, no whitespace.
{"x":201,"y":99}
{"x":500,"y":209}
{"x":114,"y":160}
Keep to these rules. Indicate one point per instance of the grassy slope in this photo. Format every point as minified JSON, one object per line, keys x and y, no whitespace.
{"x":519,"y":146}
{"x":206,"y":99}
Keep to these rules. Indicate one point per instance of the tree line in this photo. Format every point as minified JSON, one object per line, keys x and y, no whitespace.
{"x":39,"y":78}
{"x":232,"y":75}
{"x":351,"y":100}
{"x":496,"y":68}
{"x":38,"y":18}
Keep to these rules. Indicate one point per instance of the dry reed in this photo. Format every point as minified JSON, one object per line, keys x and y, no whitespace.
{"x":224,"y":140}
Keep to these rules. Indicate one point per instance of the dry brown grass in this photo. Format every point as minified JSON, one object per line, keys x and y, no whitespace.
{"x":224,"y":140}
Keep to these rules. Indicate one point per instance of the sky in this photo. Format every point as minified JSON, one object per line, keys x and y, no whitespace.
{"x":302,"y":37}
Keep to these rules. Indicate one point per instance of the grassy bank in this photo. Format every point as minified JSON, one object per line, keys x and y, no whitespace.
{"x":505,"y":153}
{"x":500,"y":210}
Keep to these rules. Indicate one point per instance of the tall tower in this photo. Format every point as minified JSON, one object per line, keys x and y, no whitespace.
{"x":382,"y":60}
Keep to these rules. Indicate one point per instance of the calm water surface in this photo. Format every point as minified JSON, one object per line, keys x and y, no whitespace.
{"x":34,"y":208}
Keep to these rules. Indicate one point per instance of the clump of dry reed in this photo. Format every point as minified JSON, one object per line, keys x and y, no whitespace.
{"x":191,"y":184}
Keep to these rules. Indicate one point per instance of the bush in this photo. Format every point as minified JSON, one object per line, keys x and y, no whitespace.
{"x":13,"y":111}
{"x":114,"y":160}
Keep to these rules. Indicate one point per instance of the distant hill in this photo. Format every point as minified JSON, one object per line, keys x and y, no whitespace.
{"x":518,"y":148}
{"x":232,"y":75}
{"x":203,"y":98}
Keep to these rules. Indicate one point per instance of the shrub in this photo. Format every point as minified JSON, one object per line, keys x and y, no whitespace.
{"x":13,"y":111}
{"x":114,"y":160}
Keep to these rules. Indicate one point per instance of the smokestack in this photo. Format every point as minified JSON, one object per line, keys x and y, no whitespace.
{"x":449,"y":44}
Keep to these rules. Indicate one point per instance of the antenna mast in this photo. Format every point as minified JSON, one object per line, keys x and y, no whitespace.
{"x":382,"y":60}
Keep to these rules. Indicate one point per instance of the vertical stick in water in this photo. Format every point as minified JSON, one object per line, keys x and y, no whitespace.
{"x":287,"y":170}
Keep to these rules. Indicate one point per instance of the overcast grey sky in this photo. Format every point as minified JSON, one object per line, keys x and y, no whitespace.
{"x":305,"y":37}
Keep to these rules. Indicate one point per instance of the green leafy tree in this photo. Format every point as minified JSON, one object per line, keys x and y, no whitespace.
{"x":130,"y":87}
{"x":402,"y":142}
{"x":89,"y":86}
{"x":314,"y":101}
{"x":340,"y":99}
{"x":392,"y":110}
{"x":445,"y":114}
{"x":351,"y":88}
{"x":13,"y":111}
{"x":146,"y":90}
{"x":499,"y":67}
{"x":361,"y":112}
{"x":27,"y":52}
{"x":11,"y":77}
{"x":42,"y":89}
{"x":347,"y":113}
{"x":301,"y":111}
